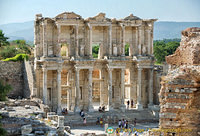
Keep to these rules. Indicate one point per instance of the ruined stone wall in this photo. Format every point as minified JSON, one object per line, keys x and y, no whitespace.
{"x":180,"y":91}
{"x":12,"y":73}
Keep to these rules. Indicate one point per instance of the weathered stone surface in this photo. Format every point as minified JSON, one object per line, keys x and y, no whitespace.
{"x":12,"y":73}
{"x":26,"y":129}
{"x":180,"y":93}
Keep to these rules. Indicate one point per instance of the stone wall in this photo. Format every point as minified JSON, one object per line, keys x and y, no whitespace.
{"x":180,"y":91}
{"x":12,"y":73}
{"x":28,"y":78}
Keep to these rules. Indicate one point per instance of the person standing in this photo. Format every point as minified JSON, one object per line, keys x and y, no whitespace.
{"x":132,"y":103}
{"x":128,"y":102}
{"x":120,"y":123}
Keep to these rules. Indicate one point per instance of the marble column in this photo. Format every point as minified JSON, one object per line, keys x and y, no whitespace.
{"x":110,"y":39}
{"x":90,"y":106}
{"x":139,"y":105}
{"x":44,"y":40}
{"x":69,"y":99}
{"x":77,"y":41}
{"x":90,"y":40}
{"x":77,"y":97}
{"x":59,"y":40}
{"x":59,"y":109}
{"x":140,"y":40}
{"x":101,"y":88}
{"x":123,"y":107}
{"x":123,"y":40}
{"x":136,"y":40}
{"x":149,"y":41}
{"x":110,"y":106}
{"x":150,"y":105}
{"x":44,"y":85}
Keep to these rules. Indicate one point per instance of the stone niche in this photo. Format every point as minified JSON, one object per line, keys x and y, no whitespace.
{"x":180,"y":91}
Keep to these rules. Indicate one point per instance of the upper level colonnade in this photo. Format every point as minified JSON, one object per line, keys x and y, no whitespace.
{"x":79,"y":35}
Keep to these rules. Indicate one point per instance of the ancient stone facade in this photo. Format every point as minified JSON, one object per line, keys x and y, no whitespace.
{"x":68,"y":75}
{"x":180,"y":91}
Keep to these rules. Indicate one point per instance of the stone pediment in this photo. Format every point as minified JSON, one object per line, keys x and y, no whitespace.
{"x":68,"y":15}
{"x":131,"y":17}
{"x":99,"y":18}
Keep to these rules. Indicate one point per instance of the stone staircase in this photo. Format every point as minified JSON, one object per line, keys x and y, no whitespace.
{"x":146,"y":115}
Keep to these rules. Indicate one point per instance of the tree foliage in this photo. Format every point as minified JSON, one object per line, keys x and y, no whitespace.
{"x":95,"y":51}
{"x":3,"y":39}
{"x":15,"y":47}
{"x":127,"y":50}
{"x":164,"y":48}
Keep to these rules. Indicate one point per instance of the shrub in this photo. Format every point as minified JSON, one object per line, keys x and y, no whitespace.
{"x":4,"y":89}
{"x":18,"y":57}
{"x":8,"y":51}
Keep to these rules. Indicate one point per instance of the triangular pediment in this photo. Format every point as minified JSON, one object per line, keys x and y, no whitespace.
{"x":99,"y":18}
{"x":68,"y":15}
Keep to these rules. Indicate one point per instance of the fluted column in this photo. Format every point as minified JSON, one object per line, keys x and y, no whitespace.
{"x":136,"y":40}
{"x":149,"y":41}
{"x":77,"y":97}
{"x":110,"y":89}
{"x":139,"y":90}
{"x":44,"y":85}
{"x":59,"y":109}
{"x":101,"y":88}
{"x":110,"y":39}
{"x":150,"y":105}
{"x":123,"y":39}
{"x":44,"y":40}
{"x":122,"y":89}
{"x":90,"y":40}
{"x":77,"y":40}
{"x":90,"y":106}
{"x":140,"y":40}
{"x":59,"y":40}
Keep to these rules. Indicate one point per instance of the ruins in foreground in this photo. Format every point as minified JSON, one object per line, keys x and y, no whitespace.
{"x":180,"y":93}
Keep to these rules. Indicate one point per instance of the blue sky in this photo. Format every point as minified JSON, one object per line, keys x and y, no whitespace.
{"x":12,"y":11}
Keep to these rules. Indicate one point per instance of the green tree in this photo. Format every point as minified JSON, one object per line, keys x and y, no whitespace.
{"x":8,"y":51}
{"x":164,"y":48}
{"x":95,"y":51}
{"x":3,"y":39}
{"x":127,"y":50}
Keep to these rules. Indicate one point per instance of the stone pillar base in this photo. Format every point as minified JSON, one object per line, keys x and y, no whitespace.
{"x":139,"y":106}
{"x":76,"y":109}
{"x":91,"y":108}
{"x":150,"y":106}
{"x":59,"y":110}
{"x":110,"y":108}
{"x":123,"y":108}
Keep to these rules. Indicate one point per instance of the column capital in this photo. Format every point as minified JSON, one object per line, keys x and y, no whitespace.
{"x":44,"y":69}
{"x":77,"y":69}
{"x":110,"y":69}
{"x":90,"y":26}
{"x":59,"y":70}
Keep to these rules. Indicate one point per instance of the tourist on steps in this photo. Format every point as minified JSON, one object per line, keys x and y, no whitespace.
{"x":128,"y":102}
{"x":132,"y":103}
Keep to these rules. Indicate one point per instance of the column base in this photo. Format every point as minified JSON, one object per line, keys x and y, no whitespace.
{"x":110,"y":108}
{"x":150,"y":106}
{"x":59,"y":110}
{"x":139,"y":106}
{"x":76,"y":109}
{"x":123,"y":108}
{"x":91,"y":108}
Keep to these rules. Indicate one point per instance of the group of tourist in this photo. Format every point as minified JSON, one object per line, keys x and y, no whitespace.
{"x":128,"y":103}
{"x":123,"y":123}
{"x":64,"y":111}
{"x":102,"y":109}
{"x":99,"y":121}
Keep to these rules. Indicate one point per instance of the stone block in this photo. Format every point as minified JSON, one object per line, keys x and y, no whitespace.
{"x":26,"y":129}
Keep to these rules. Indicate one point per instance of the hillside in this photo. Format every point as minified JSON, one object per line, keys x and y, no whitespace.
{"x":162,"y":30}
